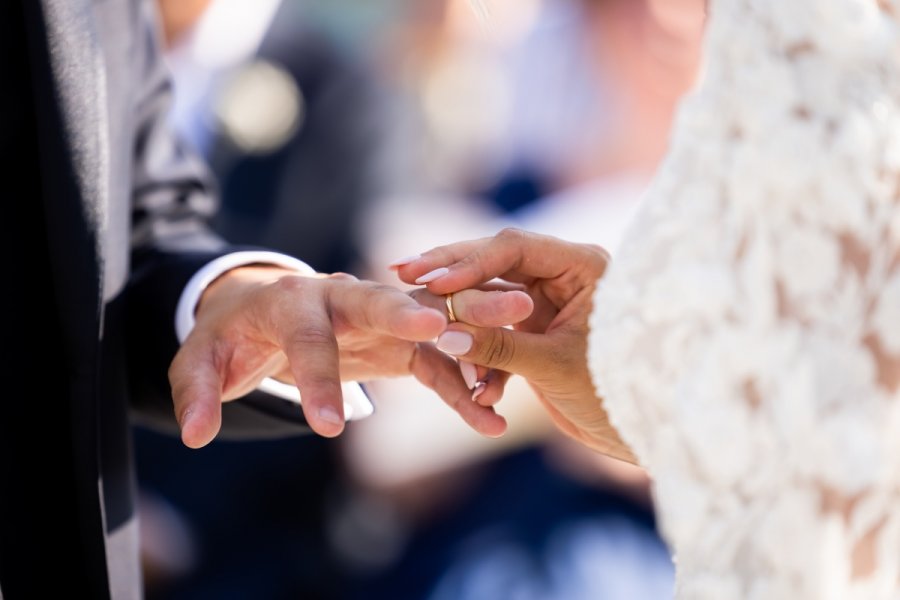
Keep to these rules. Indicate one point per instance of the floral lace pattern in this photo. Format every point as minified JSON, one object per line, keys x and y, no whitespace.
{"x":746,"y":340}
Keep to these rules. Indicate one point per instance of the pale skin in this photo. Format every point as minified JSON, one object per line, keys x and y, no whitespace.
{"x":549,"y":347}
{"x":316,"y":331}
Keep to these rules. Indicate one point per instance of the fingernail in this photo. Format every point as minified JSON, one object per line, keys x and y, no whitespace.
{"x":454,"y":342}
{"x":404,"y":261}
{"x":469,"y":373}
{"x":479,"y":390}
{"x":431,"y":276}
{"x":330,"y":415}
{"x":185,"y":417}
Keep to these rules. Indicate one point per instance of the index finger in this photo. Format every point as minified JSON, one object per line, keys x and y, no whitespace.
{"x":512,"y":254}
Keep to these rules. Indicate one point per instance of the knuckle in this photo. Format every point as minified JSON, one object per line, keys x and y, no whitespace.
{"x":511,"y":242}
{"x":380,"y":289}
{"x":290,"y":284}
{"x":184,"y":390}
{"x":510,"y":233}
{"x":598,"y":255}
{"x":596,"y":249}
{"x":325,"y":384}
{"x":311,"y":336}
{"x":340,"y":276}
{"x":439,"y":252}
{"x":511,"y":237}
{"x":474,"y":263}
{"x":379,"y":295}
{"x":501,"y":350}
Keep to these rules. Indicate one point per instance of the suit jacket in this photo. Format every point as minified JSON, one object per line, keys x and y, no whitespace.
{"x":125,"y":206}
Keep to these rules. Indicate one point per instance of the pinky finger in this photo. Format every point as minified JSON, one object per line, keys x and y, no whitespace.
{"x":441,"y":373}
{"x":494,"y":386}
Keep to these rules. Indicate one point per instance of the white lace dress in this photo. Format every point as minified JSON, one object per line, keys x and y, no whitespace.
{"x":747,"y":337}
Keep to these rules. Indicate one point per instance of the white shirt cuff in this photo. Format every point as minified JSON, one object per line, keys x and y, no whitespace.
{"x":356,"y":404}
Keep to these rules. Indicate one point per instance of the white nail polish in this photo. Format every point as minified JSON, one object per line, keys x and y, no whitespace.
{"x":469,"y":373}
{"x":432,"y":275}
{"x":455,"y":343}
{"x":479,"y":390}
{"x":404,"y":261}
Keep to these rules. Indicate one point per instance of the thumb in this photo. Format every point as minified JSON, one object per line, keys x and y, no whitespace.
{"x":496,"y":347}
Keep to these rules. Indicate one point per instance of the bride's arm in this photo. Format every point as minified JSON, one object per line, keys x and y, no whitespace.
{"x":749,"y":343}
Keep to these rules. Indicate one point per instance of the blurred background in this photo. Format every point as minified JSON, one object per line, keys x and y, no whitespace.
{"x":350,"y":134}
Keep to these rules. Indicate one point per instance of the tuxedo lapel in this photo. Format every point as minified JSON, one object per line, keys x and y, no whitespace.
{"x":72,"y":104}
{"x":77,"y":64}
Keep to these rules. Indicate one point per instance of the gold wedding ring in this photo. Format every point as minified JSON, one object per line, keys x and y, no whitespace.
{"x":450,"y":314}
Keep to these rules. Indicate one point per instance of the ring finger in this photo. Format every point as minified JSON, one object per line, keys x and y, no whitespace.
{"x":480,"y":308}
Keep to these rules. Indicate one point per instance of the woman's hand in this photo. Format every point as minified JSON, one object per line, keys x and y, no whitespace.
{"x":549,"y":348}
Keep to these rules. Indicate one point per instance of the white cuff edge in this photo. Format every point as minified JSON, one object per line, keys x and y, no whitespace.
{"x":356,"y":404}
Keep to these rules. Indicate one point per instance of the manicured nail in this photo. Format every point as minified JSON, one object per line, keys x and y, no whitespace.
{"x":479,"y":390}
{"x":469,"y":373}
{"x":330,"y":415}
{"x":454,"y":342}
{"x":431,"y":276}
{"x":404,"y":261}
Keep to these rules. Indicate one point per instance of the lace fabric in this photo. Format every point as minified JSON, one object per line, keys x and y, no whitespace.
{"x":746,"y":340}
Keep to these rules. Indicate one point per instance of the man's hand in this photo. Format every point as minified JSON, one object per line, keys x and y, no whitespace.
{"x":314,"y":331}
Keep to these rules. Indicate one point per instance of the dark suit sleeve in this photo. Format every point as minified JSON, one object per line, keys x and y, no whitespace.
{"x":173,"y":196}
